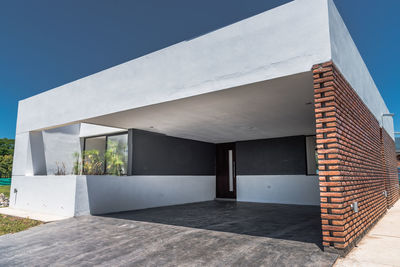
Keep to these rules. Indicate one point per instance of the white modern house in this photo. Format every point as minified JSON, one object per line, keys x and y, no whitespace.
{"x":229,"y":115}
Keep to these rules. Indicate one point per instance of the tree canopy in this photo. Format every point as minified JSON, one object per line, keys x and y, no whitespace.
{"x":6,"y":157}
{"x":6,"y":146}
{"x":6,"y":162}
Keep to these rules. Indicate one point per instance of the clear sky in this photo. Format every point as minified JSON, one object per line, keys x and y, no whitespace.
{"x":47,"y":43}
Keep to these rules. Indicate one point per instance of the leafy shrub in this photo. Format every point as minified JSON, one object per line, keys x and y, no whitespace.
{"x":93,"y":163}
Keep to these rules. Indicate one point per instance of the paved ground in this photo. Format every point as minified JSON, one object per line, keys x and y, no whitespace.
{"x":381,"y":246}
{"x":202,"y":234}
{"x":31,"y":215}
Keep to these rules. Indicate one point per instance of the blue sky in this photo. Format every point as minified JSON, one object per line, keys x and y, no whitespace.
{"x":47,"y":43}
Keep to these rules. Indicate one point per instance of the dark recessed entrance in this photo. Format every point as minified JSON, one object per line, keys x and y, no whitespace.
{"x":226,"y":170}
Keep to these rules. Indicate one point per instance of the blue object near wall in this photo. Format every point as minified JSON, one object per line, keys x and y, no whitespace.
{"x":5,"y":181}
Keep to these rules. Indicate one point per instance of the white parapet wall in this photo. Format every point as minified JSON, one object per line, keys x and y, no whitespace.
{"x":282,"y":189}
{"x":82,"y":195}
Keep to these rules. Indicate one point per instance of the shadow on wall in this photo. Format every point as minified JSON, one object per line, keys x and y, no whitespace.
{"x":289,"y":222}
{"x":60,"y":145}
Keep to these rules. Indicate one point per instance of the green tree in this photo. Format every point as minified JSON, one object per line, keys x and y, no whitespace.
{"x":115,"y":158}
{"x":6,"y":146}
{"x":6,"y":162}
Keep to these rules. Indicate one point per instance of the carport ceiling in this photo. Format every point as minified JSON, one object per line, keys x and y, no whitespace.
{"x":268,"y":109}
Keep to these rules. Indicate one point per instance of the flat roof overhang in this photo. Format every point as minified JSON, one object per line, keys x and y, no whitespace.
{"x":268,"y":109}
{"x":283,"y":41}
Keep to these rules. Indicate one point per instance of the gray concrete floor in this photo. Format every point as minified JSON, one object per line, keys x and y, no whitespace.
{"x":201,"y":234}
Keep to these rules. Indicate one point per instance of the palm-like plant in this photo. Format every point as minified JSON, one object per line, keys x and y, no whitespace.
{"x":115,"y":158}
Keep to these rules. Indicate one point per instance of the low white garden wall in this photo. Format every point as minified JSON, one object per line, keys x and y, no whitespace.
{"x":81,"y":195}
{"x":282,"y":189}
{"x":46,"y":194}
{"x":120,"y":193}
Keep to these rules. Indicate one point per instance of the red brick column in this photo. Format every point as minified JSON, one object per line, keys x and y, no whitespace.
{"x":351,"y":164}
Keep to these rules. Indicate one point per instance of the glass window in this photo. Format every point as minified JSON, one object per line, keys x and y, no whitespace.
{"x":96,"y":143}
{"x":106,"y":155}
{"x":312,"y":155}
{"x":117,"y":154}
{"x":93,"y":156}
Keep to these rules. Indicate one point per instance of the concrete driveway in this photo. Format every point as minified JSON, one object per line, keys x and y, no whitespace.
{"x":381,"y":245}
{"x":202,"y":234}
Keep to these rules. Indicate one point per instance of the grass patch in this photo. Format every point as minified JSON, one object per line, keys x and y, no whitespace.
{"x":5,"y":189}
{"x":9,"y":224}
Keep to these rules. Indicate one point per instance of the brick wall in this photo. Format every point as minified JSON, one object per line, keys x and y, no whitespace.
{"x":351,"y":164}
{"x":390,"y":168}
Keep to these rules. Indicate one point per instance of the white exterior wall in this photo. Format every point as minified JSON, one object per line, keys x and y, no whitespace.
{"x":93,"y":130}
{"x":82,"y":206}
{"x":22,"y":155}
{"x":59,"y":147}
{"x":37,"y":153}
{"x":112,"y":194}
{"x":282,"y":189}
{"x":81,"y":195}
{"x":347,"y":58}
{"x":45,"y":194}
{"x":283,"y":41}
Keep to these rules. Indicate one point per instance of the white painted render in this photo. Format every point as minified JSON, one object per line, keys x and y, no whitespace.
{"x":81,"y":195}
{"x":60,"y":144}
{"x":260,"y":110}
{"x":282,"y":189}
{"x":347,"y":58}
{"x":112,"y":194}
{"x":285,"y":40}
{"x":45,"y":194}
{"x":21,"y":154}
{"x":82,"y":206}
{"x":93,"y":130}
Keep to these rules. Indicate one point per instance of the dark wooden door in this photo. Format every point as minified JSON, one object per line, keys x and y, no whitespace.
{"x":226,"y":170}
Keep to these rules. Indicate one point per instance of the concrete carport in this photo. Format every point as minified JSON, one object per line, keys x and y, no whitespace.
{"x":267,"y":121}
{"x":277,"y":213}
{"x":173,"y":152}
{"x":232,"y":115}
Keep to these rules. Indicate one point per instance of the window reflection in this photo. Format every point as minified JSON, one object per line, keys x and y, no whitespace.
{"x":106,"y":155}
{"x":117,"y":154}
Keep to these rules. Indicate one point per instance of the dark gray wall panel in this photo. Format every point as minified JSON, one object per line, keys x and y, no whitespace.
{"x":156,"y":154}
{"x":278,"y":156}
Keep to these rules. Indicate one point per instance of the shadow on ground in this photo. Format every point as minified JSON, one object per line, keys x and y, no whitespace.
{"x":288,"y":222}
{"x":243,"y":234}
